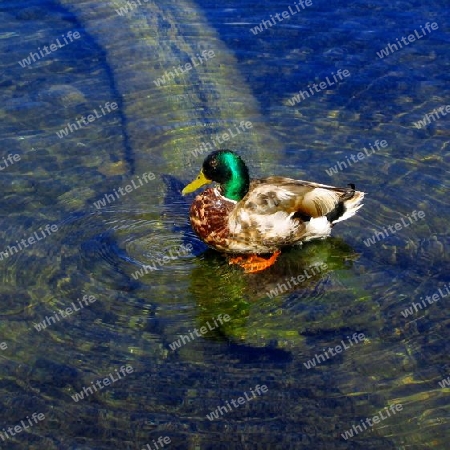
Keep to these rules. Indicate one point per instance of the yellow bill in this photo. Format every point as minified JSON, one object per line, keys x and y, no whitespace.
{"x":197,"y":183}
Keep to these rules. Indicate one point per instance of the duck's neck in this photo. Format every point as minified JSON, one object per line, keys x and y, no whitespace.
{"x":238,"y":180}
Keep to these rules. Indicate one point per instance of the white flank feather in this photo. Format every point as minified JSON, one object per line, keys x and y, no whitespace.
{"x":316,"y":228}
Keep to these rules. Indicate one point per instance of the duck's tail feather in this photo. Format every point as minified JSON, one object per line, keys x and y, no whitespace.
{"x":349,"y":206}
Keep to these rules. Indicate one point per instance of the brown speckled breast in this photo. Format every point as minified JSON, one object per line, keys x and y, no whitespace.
{"x":209,"y":218}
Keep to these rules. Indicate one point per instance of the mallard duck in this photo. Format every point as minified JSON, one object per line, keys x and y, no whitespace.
{"x":251,"y":218}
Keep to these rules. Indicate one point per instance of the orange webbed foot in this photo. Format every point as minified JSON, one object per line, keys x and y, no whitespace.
{"x":254,"y":263}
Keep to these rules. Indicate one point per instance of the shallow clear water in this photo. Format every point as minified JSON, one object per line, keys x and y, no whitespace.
{"x":110,"y":223}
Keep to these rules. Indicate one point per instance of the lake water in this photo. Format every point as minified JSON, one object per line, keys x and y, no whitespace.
{"x":119,"y":329}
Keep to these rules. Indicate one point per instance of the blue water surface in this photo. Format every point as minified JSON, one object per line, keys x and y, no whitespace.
{"x":119,"y":328}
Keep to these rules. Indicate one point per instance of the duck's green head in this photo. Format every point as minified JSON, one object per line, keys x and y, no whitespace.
{"x":226,"y":168}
